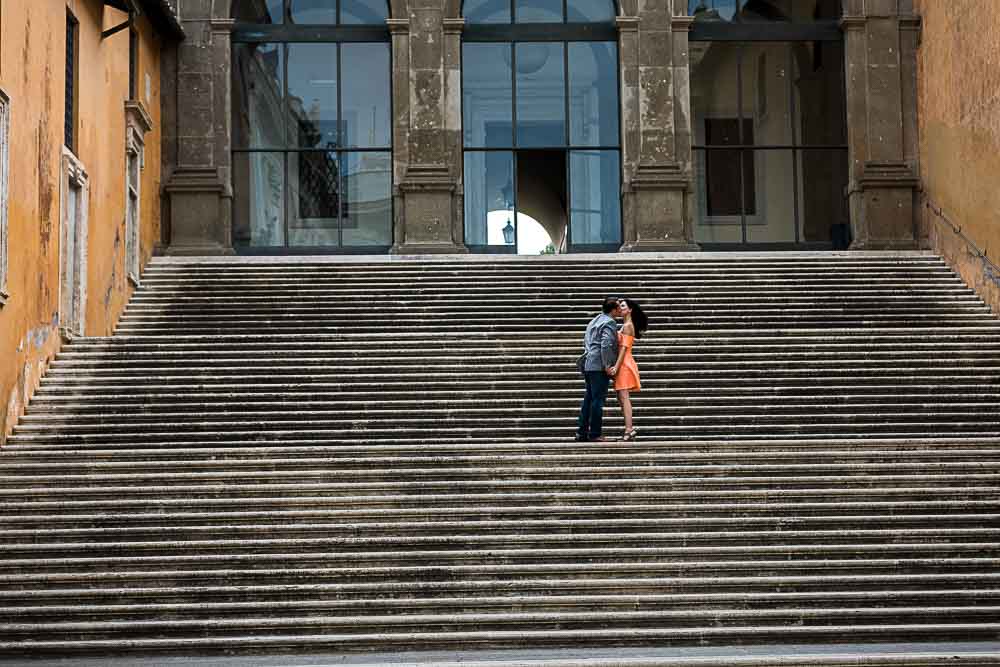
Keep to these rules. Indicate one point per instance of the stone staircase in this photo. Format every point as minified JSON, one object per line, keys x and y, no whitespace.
{"x":361,"y":455}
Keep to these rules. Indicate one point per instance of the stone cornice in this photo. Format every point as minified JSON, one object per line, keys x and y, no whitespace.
{"x":627,"y":23}
{"x":660,"y":177}
{"x":398,"y":26}
{"x":888,"y":175}
{"x":682,"y":23}
{"x":137,"y":117}
{"x":453,"y":26}
{"x":222,"y":25}
{"x":427,"y":177}
{"x":853,"y":22}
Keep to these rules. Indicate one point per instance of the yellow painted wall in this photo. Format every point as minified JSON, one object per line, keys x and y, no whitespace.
{"x":959,"y":110}
{"x":32,"y":65}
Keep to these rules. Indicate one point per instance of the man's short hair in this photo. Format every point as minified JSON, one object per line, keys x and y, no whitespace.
{"x":610,"y":303}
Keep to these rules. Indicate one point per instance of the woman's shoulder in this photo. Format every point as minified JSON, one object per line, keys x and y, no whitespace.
{"x":628,"y":329}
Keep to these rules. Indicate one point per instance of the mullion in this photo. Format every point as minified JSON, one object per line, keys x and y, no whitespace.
{"x":792,"y":110}
{"x":340,"y":144}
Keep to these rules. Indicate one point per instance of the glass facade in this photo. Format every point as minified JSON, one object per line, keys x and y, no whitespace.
{"x":312,"y":134}
{"x":770,"y":136}
{"x":541,"y":132}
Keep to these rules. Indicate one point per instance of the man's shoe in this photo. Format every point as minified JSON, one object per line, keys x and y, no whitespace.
{"x":598,"y":439}
{"x":580,"y":438}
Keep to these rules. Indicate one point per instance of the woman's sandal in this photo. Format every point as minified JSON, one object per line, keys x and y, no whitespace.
{"x":629,"y":436}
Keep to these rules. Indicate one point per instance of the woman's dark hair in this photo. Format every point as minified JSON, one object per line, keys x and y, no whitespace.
{"x":639,"y":319}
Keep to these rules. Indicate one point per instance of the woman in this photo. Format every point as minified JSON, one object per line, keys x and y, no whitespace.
{"x":625,"y":370}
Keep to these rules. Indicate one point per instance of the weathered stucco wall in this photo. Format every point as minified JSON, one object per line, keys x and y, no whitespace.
{"x":32,"y":66}
{"x":959,"y":109}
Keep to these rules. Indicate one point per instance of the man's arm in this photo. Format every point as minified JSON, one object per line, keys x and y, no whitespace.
{"x":609,"y":344}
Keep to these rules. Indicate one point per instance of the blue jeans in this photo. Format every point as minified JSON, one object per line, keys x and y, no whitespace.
{"x":592,"y":409}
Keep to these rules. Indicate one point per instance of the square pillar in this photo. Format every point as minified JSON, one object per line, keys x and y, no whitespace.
{"x":656,"y":118}
{"x":880,"y":47}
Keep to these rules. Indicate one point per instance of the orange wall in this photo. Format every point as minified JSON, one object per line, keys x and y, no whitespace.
{"x":959,"y":110}
{"x":32,"y":63}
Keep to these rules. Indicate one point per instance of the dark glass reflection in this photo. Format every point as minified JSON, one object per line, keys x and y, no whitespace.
{"x":258,"y":90}
{"x":486,"y":11}
{"x":595,"y":205}
{"x":367,"y":202}
{"x":590,"y":11}
{"x":489,"y":198}
{"x":364,"y":100}
{"x":363,"y":12}
{"x":312,"y":95}
{"x":487,"y":97}
{"x":306,"y":12}
{"x":541,"y":94}
{"x":538,"y":11}
{"x":593,"y":93}
{"x":258,"y":199}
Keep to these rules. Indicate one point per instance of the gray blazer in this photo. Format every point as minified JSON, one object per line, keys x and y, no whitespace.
{"x":600,"y":343}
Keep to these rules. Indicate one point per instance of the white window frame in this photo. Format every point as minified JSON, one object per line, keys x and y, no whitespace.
{"x":4,"y":192}
{"x":74,"y":232}
{"x":137,"y":124}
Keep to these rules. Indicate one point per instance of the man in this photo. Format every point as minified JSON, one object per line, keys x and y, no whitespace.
{"x":600,"y":351}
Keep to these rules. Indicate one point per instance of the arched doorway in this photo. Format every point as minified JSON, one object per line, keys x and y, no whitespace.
{"x":541,"y":137}
{"x":769,"y":118}
{"x":312,"y":140}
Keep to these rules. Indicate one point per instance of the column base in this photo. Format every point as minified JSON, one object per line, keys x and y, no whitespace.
{"x":199,"y":212}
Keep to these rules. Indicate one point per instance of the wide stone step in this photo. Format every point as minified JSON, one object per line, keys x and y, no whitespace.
{"x":699,"y":528}
{"x":206,"y":516}
{"x":469,"y":604}
{"x":870,"y":486}
{"x":259,"y":641}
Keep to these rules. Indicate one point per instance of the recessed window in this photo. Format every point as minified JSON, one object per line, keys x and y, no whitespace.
{"x":69,"y":112}
{"x":4,"y":189}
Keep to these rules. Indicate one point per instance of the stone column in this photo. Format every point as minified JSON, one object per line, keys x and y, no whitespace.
{"x":656,"y":116}
{"x":198,"y":185}
{"x":428,"y":189}
{"x":881,"y":41}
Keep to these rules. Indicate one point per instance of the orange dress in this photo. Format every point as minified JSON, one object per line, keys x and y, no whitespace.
{"x":627,"y":376}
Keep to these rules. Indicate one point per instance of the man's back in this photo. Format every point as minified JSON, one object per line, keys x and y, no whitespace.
{"x":600,"y":343}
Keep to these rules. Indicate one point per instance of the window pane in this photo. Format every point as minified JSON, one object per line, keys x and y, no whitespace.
{"x":823,"y":206}
{"x":312,"y":95}
{"x":363,"y":12}
{"x":268,"y":11}
{"x":257,"y":96}
{"x":367,"y":208}
{"x":590,"y":11}
{"x":775,"y":212}
{"x":486,"y":11}
{"x":538,"y":11}
{"x":541,"y":94}
{"x":314,"y":11}
{"x":595,"y":204}
{"x":723,"y":167}
{"x":709,"y":10}
{"x":593,"y":93}
{"x":489,"y":199}
{"x":313,"y":198}
{"x":258,"y":199}
{"x":365,"y":98}
{"x":487,"y":102}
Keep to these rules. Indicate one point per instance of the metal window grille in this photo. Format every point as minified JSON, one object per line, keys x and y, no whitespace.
{"x":133,"y":63}
{"x":70,"y":78}
{"x":4,"y":188}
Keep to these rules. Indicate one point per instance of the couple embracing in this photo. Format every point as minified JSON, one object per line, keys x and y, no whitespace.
{"x":607,"y":358}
